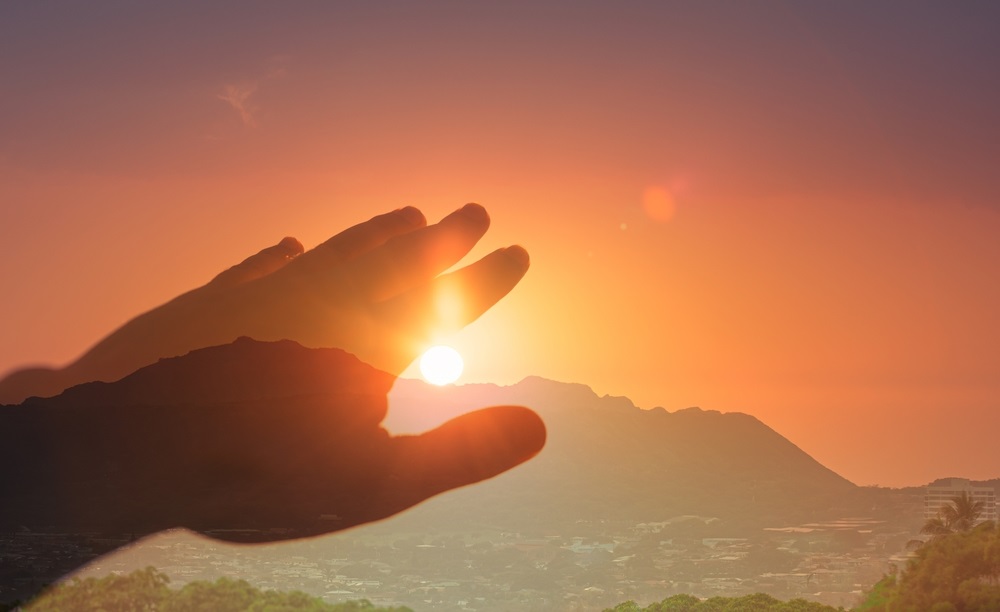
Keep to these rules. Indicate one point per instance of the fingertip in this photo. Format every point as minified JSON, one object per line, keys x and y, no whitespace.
{"x":524,"y":430}
{"x":474,"y":215}
{"x":412,"y":215}
{"x":518,"y":255}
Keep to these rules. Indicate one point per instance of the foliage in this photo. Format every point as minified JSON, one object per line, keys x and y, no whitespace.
{"x":958,"y":572}
{"x":960,"y":514}
{"x":877,"y":597}
{"x":139,"y":591}
{"x":758,"y":602}
{"x":147,"y":590}
{"x":677,"y":603}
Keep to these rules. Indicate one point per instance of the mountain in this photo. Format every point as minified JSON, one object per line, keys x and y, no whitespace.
{"x":606,"y":459}
{"x":564,"y":527}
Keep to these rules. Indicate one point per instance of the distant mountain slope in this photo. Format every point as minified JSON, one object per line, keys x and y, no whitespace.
{"x":607,"y":459}
{"x":604,"y":459}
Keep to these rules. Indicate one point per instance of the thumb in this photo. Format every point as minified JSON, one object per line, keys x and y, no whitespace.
{"x":465,"y":450}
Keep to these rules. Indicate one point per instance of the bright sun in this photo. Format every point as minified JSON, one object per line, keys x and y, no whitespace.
{"x":441,"y":365}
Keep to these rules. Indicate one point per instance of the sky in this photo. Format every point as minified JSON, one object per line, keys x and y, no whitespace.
{"x":789,"y":209}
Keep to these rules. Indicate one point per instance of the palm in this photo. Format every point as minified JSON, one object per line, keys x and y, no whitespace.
{"x":960,"y":514}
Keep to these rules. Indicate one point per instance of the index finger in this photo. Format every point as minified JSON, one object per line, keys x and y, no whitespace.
{"x":363,"y":237}
{"x":409,"y":260}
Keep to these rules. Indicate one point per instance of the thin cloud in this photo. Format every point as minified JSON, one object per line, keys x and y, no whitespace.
{"x":275,"y":66}
{"x":239,"y":98}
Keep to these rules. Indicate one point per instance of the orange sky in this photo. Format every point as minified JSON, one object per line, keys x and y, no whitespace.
{"x":829,"y":260}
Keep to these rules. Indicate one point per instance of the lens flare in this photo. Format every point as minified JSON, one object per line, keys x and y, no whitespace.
{"x":659,"y":204}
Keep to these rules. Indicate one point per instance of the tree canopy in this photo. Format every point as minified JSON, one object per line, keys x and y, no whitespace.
{"x":758,"y":602}
{"x":148,"y":590}
{"x":960,"y":514}
{"x":958,"y":572}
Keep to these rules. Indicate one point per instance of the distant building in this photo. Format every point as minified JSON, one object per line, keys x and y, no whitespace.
{"x":942,"y":493}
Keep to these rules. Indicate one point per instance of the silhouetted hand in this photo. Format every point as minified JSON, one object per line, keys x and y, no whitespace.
{"x":374,"y":290}
{"x":225,"y":438}
{"x":251,"y":441}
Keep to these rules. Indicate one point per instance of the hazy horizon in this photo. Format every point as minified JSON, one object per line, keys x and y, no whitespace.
{"x":391,"y":424}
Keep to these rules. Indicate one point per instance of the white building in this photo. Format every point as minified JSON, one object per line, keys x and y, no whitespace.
{"x":942,"y":493}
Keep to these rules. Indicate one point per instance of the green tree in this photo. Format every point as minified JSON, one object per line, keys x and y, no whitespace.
{"x":626,"y":606}
{"x":878,"y":596}
{"x":757,"y":602}
{"x":714,"y":604}
{"x":223,"y":595}
{"x":804,"y":605}
{"x":958,"y":572}
{"x":676,"y":603}
{"x":960,"y":514}
{"x":148,"y":591}
{"x":963,"y":512}
{"x":141,"y":591}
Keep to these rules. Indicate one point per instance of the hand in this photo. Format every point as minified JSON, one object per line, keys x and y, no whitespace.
{"x":374,"y":290}
{"x":249,"y":441}
{"x":227,"y":438}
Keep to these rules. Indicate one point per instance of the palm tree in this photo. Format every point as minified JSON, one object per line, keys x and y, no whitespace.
{"x":960,"y":514}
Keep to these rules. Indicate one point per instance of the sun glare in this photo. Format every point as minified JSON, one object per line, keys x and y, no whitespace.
{"x":441,"y":365}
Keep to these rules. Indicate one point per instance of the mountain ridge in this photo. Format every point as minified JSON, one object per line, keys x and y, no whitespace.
{"x":690,"y":461}
{"x":605,"y":458}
